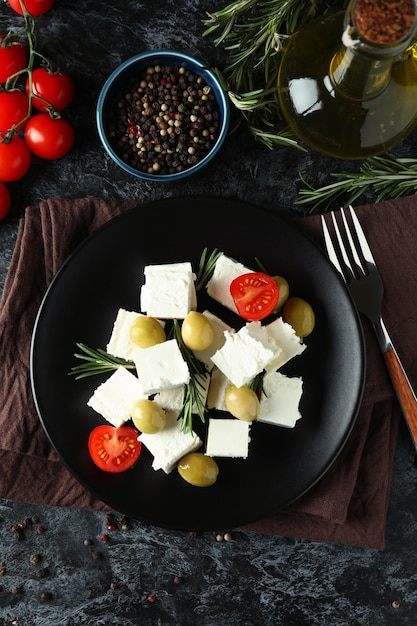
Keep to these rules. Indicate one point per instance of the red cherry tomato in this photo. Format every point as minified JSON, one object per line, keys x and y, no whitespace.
{"x":34,"y":7}
{"x":49,"y":138}
{"x":255,"y":295}
{"x":15,"y":159}
{"x":114,"y":449}
{"x":14,"y":107}
{"x":5,"y":201}
{"x":57,"y":89}
{"x":13,"y":57}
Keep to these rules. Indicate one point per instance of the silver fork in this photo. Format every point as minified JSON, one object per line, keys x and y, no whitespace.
{"x":357,"y":266}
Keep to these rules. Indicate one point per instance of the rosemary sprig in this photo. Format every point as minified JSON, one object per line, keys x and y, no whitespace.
{"x":206,"y":267}
{"x":194,"y":398}
{"x":96,"y":362}
{"x":388,"y":176}
{"x":253,"y":33}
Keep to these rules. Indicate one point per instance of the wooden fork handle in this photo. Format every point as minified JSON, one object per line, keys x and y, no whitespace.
{"x":404,"y":391}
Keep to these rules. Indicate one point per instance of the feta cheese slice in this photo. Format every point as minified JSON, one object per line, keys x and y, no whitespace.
{"x":161,"y":366}
{"x":288,"y":342}
{"x":218,"y":287}
{"x":228,"y":438}
{"x":243,"y":356}
{"x":219,"y":327}
{"x":169,"y":290}
{"x":171,"y":444}
{"x":280,"y":403}
{"x":114,"y":398}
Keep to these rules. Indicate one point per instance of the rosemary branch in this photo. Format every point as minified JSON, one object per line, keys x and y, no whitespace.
{"x":388,"y":176}
{"x":253,"y":34}
{"x":194,"y":390}
{"x":96,"y":362}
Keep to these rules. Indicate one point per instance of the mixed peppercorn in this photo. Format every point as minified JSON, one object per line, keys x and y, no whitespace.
{"x":164,"y":121}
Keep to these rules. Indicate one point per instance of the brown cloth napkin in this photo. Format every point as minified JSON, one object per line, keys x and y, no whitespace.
{"x":349,"y":504}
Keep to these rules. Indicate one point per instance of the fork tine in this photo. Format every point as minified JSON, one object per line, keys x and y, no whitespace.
{"x":366,"y":251}
{"x":346,"y":260}
{"x":352,"y":244}
{"x":331,"y":252}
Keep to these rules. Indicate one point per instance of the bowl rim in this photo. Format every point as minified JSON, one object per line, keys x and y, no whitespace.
{"x":172,"y":56}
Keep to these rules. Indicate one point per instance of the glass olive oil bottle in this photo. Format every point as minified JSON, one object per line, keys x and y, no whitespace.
{"x":348,"y":82}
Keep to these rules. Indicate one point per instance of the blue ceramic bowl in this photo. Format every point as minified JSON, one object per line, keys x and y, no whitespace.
{"x":133,"y":67}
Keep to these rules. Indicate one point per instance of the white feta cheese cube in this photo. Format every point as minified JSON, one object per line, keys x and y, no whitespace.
{"x":280,"y":403}
{"x":120,"y":344}
{"x":243,"y":356}
{"x":218,"y":287}
{"x":289,"y":344}
{"x":161,"y":366}
{"x":169,"y":291}
{"x":219,"y":327}
{"x":114,"y":398}
{"x":171,"y":444}
{"x":228,"y":438}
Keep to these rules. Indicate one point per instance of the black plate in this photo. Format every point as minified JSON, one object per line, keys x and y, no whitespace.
{"x":105,"y":273}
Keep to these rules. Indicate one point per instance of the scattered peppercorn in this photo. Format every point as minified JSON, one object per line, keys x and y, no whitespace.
{"x":2,"y":571}
{"x":113,"y":585}
{"x":395,"y":604}
{"x":104,"y":537}
{"x":40,"y":530}
{"x":35,"y":519}
{"x":384,"y":21}
{"x":96,"y":555}
{"x":46,"y":596}
{"x":177,"y":580}
{"x":124,"y":524}
{"x":227,"y":536}
{"x":87,"y":542}
{"x":164,"y":121}
{"x":41,"y":573}
{"x":16,"y":590}
{"x":35,"y":558}
{"x":219,"y":537}
{"x":151,"y":598}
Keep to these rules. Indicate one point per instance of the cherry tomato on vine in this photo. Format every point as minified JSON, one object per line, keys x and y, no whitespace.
{"x":34,"y":7}
{"x":15,"y":159}
{"x":14,"y":107}
{"x":5,"y":201}
{"x":255,"y":295}
{"x":13,"y":57}
{"x":49,"y":138}
{"x":56,"y":88}
{"x":114,"y":449}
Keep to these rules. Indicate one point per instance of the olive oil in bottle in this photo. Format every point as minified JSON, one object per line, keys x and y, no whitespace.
{"x":348,"y":82}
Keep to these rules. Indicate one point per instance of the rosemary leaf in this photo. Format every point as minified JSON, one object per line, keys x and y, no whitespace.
{"x":206,"y":267}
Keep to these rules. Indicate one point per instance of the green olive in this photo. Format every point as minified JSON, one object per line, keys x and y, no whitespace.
{"x":284,"y":291}
{"x":242,"y":402}
{"x":300,"y":315}
{"x":147,"y":331}
{"x":196,"y":331}
{"x":148,"y":416}
{"x":198,"y":469}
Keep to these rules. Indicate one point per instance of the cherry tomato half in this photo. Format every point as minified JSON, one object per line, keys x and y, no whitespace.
{"x":56,"y":88}
{"x":13,"y":57}
{"x":255,"y":295}
{"x":15,"y":159}
{"x":49,"y":138}
{"x":114,"y":449}
{"x":34,"y":7}
{"x":5,"y":201}
{"x":14,"y":107}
